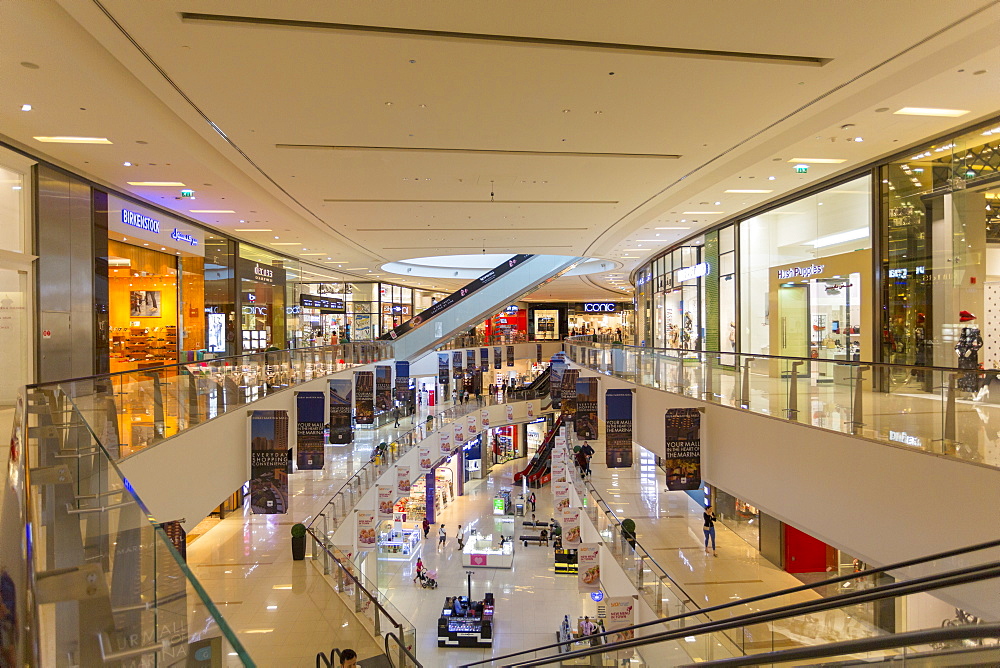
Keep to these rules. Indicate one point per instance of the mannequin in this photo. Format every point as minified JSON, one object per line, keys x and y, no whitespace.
{"x":968,"y":357}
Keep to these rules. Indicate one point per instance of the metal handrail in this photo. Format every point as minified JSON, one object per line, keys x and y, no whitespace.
{"x":763,"y":597}
{"x":907,"y":639}
{"x":402,"y":649}
{"x":918,"y":585}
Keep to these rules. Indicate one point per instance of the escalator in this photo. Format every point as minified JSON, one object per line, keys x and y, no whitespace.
{"x":475,"y":301}
{"x":540,"y":385}
{"x":841,"y":627}
{"x":541,"y":463}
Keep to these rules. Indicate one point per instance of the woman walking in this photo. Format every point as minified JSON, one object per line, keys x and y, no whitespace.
{"x":709,"y":529}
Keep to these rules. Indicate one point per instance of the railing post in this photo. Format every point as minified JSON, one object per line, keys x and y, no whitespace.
{"x":793,"y":392}
{"x":858,"y":411}
{"x":745,"y":386}
{"x":707,"y":391}
{"x":949,"y":415}
{"x":639,"y":569}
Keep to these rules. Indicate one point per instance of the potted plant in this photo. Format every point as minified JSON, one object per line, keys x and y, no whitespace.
{"x":298,"y":541}
{"x":628,"y":531}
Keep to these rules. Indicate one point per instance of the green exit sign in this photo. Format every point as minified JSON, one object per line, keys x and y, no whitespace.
{"x":801,"y":169}
{"x":187,"y":193}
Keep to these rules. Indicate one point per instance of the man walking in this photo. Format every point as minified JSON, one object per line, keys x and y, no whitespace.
{"x":460,"y":537}
{"x":442,"y":536}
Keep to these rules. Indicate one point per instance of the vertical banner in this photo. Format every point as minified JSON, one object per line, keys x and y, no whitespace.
{"x":477,"y":381}
{"x":178,"y":537}
{"x":538,"y":353}
{"x":473,"y":424}
{"x":588,"y":557}
{"x":621,"y":615}
{"x":459,"y":435}
{"x":402,"y":381}
{"x":497,"y":358}
{"x":444,"y":440}
{"x":430,"y":493}
{"x":366,"y":530}
{"x":682,"y":456}
{"x":558,"y":471}
{"x":470,"y":360}
{"x":386,"y":500}
{"x":484,"y":417}
{"x":403,"y":480}
{"x":341,"y":397}
{"x":268,"y":462}
{"x":456,"y":363}
{"x":383,"y":388}
{"x":364,"y":397}
{"x":557,"y":367}
{"x":571,"y":526}
{"x":443,"y":369}
{"x":531,"y":409}
{"x":568,"y":393}
{"x":618,"y":428}
{"x":586,"y":408}
{"x":484,"y":358}
{"x":560,"y":490}
{"x":309,"y":423}
{"x":510,"y":355}
{"x":510,"y":412}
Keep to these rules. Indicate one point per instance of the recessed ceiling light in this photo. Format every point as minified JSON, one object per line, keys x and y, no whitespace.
{"x":718,"y":204}
{"x":156,"y":184}
{"x":771,"y":178}
{"x":689,"y":213}
{"x":930,"y":111}
{"x":312,"y":253}
{"x":287,"y":243}
{"x":212,"y":211}
{"x":751,"y":192}
{"x":355,"y":268}
{"x":253,"y":229}
{"x":73,"y":140}
{"x":25,"y":107}
{"x":127,"y":164}
{"x":819,"y":161}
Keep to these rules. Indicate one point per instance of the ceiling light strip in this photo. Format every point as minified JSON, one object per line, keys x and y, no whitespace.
{"x":469,"y":201}
{"x":477,"y":151}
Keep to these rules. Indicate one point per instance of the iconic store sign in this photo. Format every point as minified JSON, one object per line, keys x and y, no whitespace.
{"x":600,"y":307}
{"x":801,"y":272}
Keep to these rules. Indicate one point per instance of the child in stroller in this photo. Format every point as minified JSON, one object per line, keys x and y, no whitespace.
{"x":428,"y":579}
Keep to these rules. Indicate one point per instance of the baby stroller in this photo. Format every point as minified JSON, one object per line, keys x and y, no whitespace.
{"x":428,"y":579}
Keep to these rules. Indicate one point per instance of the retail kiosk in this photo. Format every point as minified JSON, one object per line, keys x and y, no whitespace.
{"x":398,"y":542}
{"x":465,"y":623}
{"x":484,"y":551}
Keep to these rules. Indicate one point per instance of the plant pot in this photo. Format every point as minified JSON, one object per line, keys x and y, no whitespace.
{"x":298,"y":548}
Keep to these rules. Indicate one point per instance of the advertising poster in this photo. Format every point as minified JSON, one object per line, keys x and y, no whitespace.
{"x":586,"y":408}
{"x":497,"y":358}
{"x":443,"y":378}
{"x":568,"y":393}
{"x":402,"y":381}
{"x":403,"y":480}
{"x":430,"y":493}
{"x":470,"y":360}
{"x":571,"y":526}
{"x":386,"y":499}
{"x":510,"y":413}
{"x":556,"y":369}
{"x":484,"y":358}
{"x":473,"y":424}
{"x":477,"y":381}
{"x":366,"y":530}
{"x":309,"y":425}
{"x":682,"y":456}
{"x":538,"y":353}
{"x":560,"y":490}
{"x":268,"y":462}
{"x":341,"y":395}
{"x":558,"y":471}
{"x":424,"y":458}
{"x":618,"y":429}
{"x":621,"y":614}
{"x":444,"y":439}
{"x":383,"y":388}
{"x":531,"y":409}
{"x":484,"y":417}
{"x":510,"y":355}
{"x":588,"y":558}
{"x":456,"y":363}
{"x":459,"y":435}
{"x":364,"y":397}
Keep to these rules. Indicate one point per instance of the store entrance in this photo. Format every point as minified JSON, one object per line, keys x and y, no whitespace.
{"x":821,"y":318}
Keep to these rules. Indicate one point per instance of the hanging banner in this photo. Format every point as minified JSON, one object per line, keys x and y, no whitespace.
{"x":424,"y":458}
{"x":556,"y":369}
{"x":366,"y":530}
{"x":618,"y":428}
{"x":364,"y":397}
{"x":402,"y":381}
{"x":443,"y":369}
{"x":682,"y":456}
{"x":510,"y":412}
{"x":341,"y":395}
{"x":470,"y":360}
{"x":531,"y":409}
{"x":497,"y":358}
{"x":309,"y":425}
{"x":586,"y":408}
{"x":568,"y":393}
{"x":477,"y":381}
{"x":403,"y":480}
{"x":268,"y":462}
{"x":510,"y":355}
{"x":560,"y":491}
{"x":456,"y":363}
{"x":621,"y":615}
{"x":538,"y":353}
{"x":558,"y":471}
{"x":588,"y":558}
{"x":571,"y":526}
{"x":430,"y":493}
{"x":484,"y":417}
{"x":383,"y":388}
{"x":444,"y":439}
{"x":484,"y":358}
{"x":386,"y":500}
{"x":459,"y":435}
{"x":473,"y":424}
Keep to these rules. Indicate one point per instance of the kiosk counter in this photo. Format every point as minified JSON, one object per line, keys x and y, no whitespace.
{"x":466,"y":624}
{"x":485,"y":552}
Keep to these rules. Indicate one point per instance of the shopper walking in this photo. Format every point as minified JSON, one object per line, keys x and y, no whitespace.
{"x":395,"y":414}
{"x":460,"y":537}
{"x":531,"y":500}
{"x":427,"y":528}
{"x":420,"y":568}
{"x":442,"y":536}
{"x":709,"y":528}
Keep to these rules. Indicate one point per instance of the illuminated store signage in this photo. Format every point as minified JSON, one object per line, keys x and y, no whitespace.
{"x":324,"y":303}
{"x":801,"y":272}
{"x":688,"y":273}
{"x":904,"y":272}
{"x":142,"y":222}
{"x":177,"y":235}
{"x":905,"y":439}
{"x":600,"y":307}
{"x":255,"y":310}
{"x":135,"y":224}
{"x":266,"y":274}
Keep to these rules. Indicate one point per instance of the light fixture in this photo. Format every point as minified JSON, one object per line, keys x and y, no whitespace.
{"x":930,"y":111}
{"x":702,"y":213}
{"x":819,"y":161}
{"x":73,"y":140}
{"x":156,"y":184}
{"x":673,"y":228}
{"x":771,"y":178}
{"x":859,"y":139}
{"x":287,"y":243}
{"x":253,"y":229}
{"x":25,"y":107}
{"x":312,"y":253}
{"x":127,"y":164}
{"x":212,"y":211}
{"x":841,"y":237}
{"x":751,"y":192}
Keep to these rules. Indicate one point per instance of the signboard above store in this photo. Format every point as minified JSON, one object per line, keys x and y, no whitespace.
{"x":804,"y":271}
{"x":140,"y":226}
{"x":690,"y":273}
{"x":332,"y":304}
{"x":600,"y":307}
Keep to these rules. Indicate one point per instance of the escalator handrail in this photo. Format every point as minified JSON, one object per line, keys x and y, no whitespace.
{"x":888,"y":641}
{"x":919,"y":585}
{"x":546,"y":445}
{"x":762,"y":597}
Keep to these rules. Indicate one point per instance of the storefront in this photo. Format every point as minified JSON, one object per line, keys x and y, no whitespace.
{"x":472,"y":453}
{"x":508,"y":326}
{"x":262,"y":299}
{"x":534,"y":435}
{"x":607,"y":320}
{"x":547,"y":322}
{"x":505,"y":444}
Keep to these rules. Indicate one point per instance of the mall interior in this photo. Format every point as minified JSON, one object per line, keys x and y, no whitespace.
{"x":500,"y":334}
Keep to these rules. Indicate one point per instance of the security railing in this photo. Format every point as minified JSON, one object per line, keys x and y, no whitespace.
{"x":943,"y":411}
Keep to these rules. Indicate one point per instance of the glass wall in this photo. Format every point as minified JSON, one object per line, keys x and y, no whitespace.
{"x":673,"y":315}
{"x":16,"y":342}
{"x":262,"y":299}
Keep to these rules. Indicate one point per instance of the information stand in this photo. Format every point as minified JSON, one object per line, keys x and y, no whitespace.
{"x":465,"y":623}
